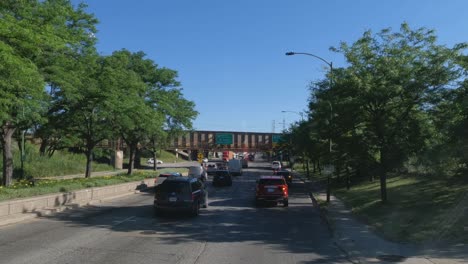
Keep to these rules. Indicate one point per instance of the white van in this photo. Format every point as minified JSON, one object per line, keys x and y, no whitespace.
{"x":198,"y":172}
{"x":235,"y":166}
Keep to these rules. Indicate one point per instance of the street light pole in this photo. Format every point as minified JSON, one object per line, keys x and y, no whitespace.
{"x":330,"y":64}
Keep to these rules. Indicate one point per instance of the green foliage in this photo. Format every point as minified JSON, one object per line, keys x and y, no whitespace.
{"x":391,"y":102}
{"x":34,"y":37}
{"x":24,"y":188}
{"x":148,"y":106}
{"x":89,"y":97}
{"x":62,"y":163}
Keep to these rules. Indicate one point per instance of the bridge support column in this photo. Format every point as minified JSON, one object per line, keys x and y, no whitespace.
{"x":117,"y":159}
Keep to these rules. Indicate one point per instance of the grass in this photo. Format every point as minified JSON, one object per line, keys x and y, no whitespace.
{"x":420,"y":209}
{"x":61,"y":163}
{"x":23,"y":189}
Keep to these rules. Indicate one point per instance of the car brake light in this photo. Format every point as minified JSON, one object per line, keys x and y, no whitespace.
{"x":193,"y":197}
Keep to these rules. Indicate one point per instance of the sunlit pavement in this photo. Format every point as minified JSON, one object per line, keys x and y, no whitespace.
{"x":231,"y":230}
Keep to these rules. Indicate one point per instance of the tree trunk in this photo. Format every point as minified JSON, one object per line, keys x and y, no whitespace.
{"x":131,"y":158}
{"x":155,"y":164}
{"x":43,"y":147}
{"x":383,"y":187}
{"x":348,"y":178}
{"x":137,"y":158}
{"x":89,"y":162}
{"x":7,"y":134}
{"x":307,"y":168}
{"x":19,"y":140}
{"x":383,"y":175}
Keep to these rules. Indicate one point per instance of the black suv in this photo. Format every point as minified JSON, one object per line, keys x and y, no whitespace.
{"x":222,"y":177}
{"x":287,"y":175}
{"x":178,"y":193}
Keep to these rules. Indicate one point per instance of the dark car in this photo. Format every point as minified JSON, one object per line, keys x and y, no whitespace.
{"x":211,"y":168}
{"x":222,"y":178}
{"x":177,"y":193}
{"x":272,"y":189}
{"x":287,"y":175}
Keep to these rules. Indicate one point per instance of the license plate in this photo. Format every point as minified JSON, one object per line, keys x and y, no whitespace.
{"x":270,"y":190}
{"x":172,"y":199}
{"x":221,"y":177}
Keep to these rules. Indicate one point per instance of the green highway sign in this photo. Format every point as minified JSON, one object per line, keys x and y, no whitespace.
{"x":224,"y":138}
{"x":276,"y":139}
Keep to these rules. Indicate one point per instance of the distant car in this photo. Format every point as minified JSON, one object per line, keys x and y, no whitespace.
{"x":222,"y":178}
{"x":245,"y":163}
{"x":221,"y":165}
{"x":163,"y":176}
{"x":198,"y":172}
{"x":180,"y":194}
{"x":211,"y":168}
{"x":276,"y":165}
{"x":235,"y":167}
{"x":151,"y":161}
{"x":272,"y":189}
{"x":287,"y":175}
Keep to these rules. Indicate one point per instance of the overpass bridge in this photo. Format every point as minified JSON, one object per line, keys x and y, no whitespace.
{"x":226,"y":140}
{"x":205,"y":142}
{"x":191,"y":143}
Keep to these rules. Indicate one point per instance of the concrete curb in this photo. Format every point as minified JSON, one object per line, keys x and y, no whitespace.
{"x":17,"y":210}
{"x":322,"y":211}
{"x":326,"y":219}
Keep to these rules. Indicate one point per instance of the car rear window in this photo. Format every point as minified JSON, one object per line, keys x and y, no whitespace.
{"x":271,"y":181}
{"x":177,"y":187}
{"x":164,"y":175}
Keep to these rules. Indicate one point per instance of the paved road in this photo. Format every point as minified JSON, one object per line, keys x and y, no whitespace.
{"x":231,"y":230}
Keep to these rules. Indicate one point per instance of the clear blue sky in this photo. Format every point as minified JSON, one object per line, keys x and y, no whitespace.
{"x":230,"y":54}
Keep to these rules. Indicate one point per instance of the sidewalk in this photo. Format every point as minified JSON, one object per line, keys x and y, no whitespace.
{"x":363,"y":246}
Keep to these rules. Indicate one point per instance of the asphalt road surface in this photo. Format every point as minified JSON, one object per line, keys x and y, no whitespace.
{"x":231,"y":230}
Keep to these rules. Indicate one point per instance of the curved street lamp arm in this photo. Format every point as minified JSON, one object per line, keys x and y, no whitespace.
{"x":310,"y":54}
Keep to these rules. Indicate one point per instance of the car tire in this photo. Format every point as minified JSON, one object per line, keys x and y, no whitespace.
{"x":285,"y":203}
{"x":257,"y":203}
{"x":157,"y":212}
{"x":205,"y":204}
{"x":195,"y":209}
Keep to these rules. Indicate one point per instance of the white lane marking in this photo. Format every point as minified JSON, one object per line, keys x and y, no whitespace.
{"x":129,"y":219}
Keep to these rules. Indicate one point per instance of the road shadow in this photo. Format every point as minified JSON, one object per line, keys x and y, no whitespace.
{"x":296,"y":229}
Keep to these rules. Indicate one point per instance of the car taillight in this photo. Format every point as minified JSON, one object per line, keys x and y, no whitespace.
{"x":193,"y":197}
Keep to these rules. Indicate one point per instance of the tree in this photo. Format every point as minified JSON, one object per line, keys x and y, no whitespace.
{"x":395,"y":75}
{"x":148,"y":102}
{"x":21,"y":91}
{"x":32,"y":35}
{"x":86,"y":110}
{"x":177,"y":113}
